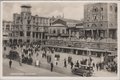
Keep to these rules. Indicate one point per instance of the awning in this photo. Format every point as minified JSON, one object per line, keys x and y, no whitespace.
{"x":84,"y":49}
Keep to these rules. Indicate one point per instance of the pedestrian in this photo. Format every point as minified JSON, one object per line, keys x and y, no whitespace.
{"x":20,"y":61}
{"x":37,"y":63}
{"x":10,"y":63}
{"x":77,"y":64}
{"x":94,"y":65}
{"x":65,"y":64}
{"x":52,"y":66}
{"x":56,"y":61}
{"x":100,"y":66}
{"x":72,"y":64}
{"x":97,"y":66}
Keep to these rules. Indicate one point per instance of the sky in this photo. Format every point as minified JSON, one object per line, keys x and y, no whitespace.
{"x":47,"y":9}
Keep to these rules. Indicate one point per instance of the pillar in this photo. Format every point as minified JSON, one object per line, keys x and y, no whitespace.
{"x":69,"y":33}
{"x":107,"y":33}
{"x":97,"y":34}
{"x":76,"y":52}
{"x":41,"y":37}
{"x":89,"y":53}
{"x":83,"y":52}
{"x":92,"y":34}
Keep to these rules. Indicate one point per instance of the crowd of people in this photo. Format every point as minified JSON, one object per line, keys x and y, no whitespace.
{"x":30,"y":54}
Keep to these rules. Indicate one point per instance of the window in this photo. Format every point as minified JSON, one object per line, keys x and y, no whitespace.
{"x":110,"y":8}
{"x":54,"y":31}
{"x":94,"y":25}
{"x":28,"y":28}
{"x":28,"y":21}
{"x":36,"y":34}
{"x":28,"y":40}
{"x":101,"y":24}
{"x":21,"y":33}
{"x":7,"y":26}
{"x":111,"y":24}
{"x":50,"y":31}
{"x":33,"y":35}
{"x":28,"y":33}
{"x":58,"y":31}
{"x":95,"y":17}
{"x":63,"y":31}
{"x":115,"y":9}
{"x":102,"y":17}
{"x":87,"y":25}
{"x":101,"y":9}
{"x":95,"y":9}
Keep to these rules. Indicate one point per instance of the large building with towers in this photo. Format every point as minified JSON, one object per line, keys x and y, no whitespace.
{"x":94,"y":35}
{"x":28,"y":28}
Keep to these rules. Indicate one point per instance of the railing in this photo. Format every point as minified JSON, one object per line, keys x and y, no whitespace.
{"x":83,"y":44}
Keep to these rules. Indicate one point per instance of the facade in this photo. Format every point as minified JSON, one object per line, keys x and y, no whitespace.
{"x":100,"y":20}
{"x":95,"y":35}
{"x":29,"y":28}
{"x":7,"y":28}
{"x":61,"y":28}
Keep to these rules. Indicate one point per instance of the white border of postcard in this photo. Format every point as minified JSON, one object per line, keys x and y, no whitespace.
{"x":61,"y":78}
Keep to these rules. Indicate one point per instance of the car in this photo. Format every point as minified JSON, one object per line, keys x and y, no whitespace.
{"x":14,"y":55}
{"x":83,"y":70}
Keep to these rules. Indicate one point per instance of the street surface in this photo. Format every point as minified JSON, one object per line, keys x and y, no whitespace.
{"x":25,"y":70}
{"x":59,"y":70}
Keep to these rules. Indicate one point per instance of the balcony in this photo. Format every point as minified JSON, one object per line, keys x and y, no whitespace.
{"x":64,"y":35}
{"x":51,"y":34}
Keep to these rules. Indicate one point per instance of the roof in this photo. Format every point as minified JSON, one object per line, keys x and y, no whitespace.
{"x":59,"y":25}
{"x":70,"y":20}
{"x":26,"y":6}
{"x":84,"y":49}
{"x":66,"y":22}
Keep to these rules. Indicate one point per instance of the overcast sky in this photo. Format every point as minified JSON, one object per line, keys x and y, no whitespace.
{"x":70,"y":10}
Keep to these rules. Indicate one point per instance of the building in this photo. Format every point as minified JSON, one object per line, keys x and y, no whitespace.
{"x":60,"y":28}
{"x":100,"y":21}
{"x":95,"y":35}
{"x":29,"y":28}
{"x":7,"y":28}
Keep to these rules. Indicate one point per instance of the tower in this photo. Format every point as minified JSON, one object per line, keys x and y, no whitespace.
{"x":26,"y":19}
{"x":26,"y":9}
{"x":26,"y":13}
{"x":100,"y":20}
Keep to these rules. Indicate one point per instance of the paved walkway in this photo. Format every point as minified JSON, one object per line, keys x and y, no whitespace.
{"x":67,"y":71}
{"x":26,"y":70}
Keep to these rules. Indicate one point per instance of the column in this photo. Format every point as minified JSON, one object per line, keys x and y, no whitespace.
{"x":97,"y":34}
{"x":89,"y":53}
{"x":92,"y":34}
{"x":31,"y":34}
{"x":41,"y":37}
{"x":76,"y":52}
{"x":69,"y":33}
{"x":83,"y":53}
{"x":107,"y":33}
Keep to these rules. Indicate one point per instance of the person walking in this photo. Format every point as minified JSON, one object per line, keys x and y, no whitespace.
{"x":77,"y":64}
{"x":20,"y":61}
{"x":65,"y":63}
{"x":51,"y":67}
{"x":97,"y":66}
{"x":10,"y":63}
{"x":72,"y":64}
{"x":94,"y":65}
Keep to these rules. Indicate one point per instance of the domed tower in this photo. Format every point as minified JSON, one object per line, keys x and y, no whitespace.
{"x":26,"y":9}
{"x":25,"y":13}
